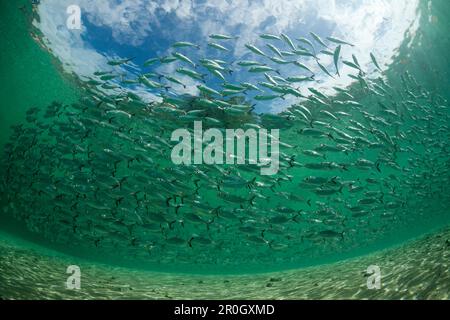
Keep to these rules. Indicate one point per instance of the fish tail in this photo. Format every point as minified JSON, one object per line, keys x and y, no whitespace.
{"x":298,"y":214}
{"x":218,"y":210}
{"x":251,"y":200}
{"x":378,"y":167}
{"x":262,"y":233}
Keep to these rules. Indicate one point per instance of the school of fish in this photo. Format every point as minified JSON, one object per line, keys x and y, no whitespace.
{"x":355,"y":165}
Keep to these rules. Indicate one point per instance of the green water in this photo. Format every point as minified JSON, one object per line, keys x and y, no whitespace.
{"x":29,"y":75}
{"x":419,"y":196}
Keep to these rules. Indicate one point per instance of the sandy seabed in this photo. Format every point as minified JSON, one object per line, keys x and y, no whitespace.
{"x":416,"y":270}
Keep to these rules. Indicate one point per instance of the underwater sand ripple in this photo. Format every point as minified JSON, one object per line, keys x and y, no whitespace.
{"x":417,"y":270}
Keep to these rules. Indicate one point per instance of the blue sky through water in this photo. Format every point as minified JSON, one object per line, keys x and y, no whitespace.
{"x":146,"y":29}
